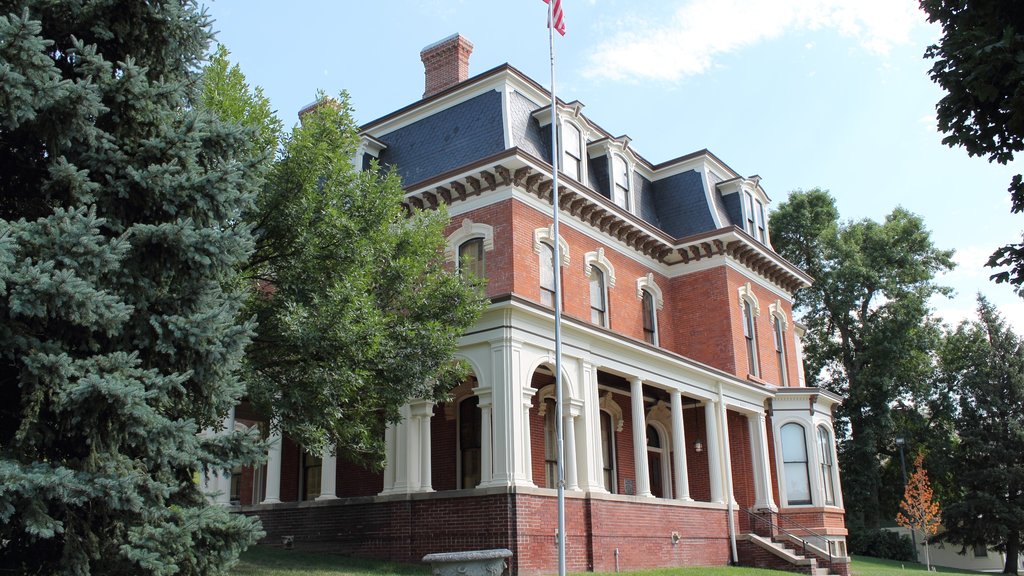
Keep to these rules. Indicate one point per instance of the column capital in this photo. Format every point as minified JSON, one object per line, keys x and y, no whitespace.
{"x":421,"y":408}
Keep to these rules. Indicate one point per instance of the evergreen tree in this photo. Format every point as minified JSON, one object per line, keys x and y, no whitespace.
{"x":982,"y":375}
{"x":869,"y":334}
{"x":120,"y":242}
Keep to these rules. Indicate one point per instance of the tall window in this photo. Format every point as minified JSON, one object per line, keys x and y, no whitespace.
{"x":572,"y":152}
{"x":311,"y":467}
{"x":750,"y":335}
{"x":825,"y":453}
{"x":794,"y":458}
{"x":550,"y":445}
{"x":620,"y":181}
{"x":780,"y":351}
{"x":471,"y":258}
{"x":655,"y":453}
{"x":749,"y":209}
{"x":608,"y":451}
{"x":760,"y":220}
{"x":547,"y":274}
{"x":650,"y":318}
{"x":598,"y":297}
{"x":469,"y":442}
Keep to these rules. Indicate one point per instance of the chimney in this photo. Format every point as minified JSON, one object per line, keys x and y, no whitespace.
{"x":445,"y":63}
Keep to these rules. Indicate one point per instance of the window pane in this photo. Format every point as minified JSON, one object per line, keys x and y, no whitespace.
{"x":620,"y":177}
{"x":649,"y":318}
{"x":607,"y":451}
{"x":471,"y":258}
{"x":550,"y":446}
{"x":794,"y":457}
{"x":547,"y":274}
{"x":793,"y":443}
{"x":469,"y":441}
{"x":598,"y":305}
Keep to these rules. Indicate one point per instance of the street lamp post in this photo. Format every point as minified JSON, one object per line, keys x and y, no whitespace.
{"x":900,"y":441}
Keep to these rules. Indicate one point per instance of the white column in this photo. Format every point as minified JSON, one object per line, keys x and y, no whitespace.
{"x":528,"y":394}
{"x":679,"y":448}
{"x":273,"y":495}
{"x":762,"y":470}
{"x":485,"y":434}
{"x":389,"y":459}
{"x":223,"y":479}
{"x":723,"y":419}
{"x":643,"y":477}
{"x":588,"y":432}
{"x":714,"y":452}
{"x":422,"y":413}
{"x":569,"y":431}
{"x":328,"y":474}
{"x":401,"y":452}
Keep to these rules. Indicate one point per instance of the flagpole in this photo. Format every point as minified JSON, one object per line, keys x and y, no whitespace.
{"x":558,"y":296}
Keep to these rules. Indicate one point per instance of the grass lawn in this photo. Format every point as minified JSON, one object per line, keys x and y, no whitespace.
{"x":867,"y":566}
{"x":265,"y":561}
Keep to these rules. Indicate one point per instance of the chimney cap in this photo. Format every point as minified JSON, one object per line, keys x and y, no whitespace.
{"x":442,"y":41}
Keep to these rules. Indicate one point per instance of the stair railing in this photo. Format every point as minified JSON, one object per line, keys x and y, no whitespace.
{"x":777,"y":528}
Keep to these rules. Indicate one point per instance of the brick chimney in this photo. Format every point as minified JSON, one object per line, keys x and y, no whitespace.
{"x":446,"y":63}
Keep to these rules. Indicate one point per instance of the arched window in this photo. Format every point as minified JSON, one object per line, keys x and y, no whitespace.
{"x":469,"y":442}
{"x":608,"y":451}
{"x":827,"y":465}
{"x":572,"y":152}
{"x":471,"y":258}
{"x":547,"y":274}
{"x":750,"y":335}
{"x":598,"y":297}
{"x":794,"y":459}
{"x":780,"y":351}
{"x":650,"y":314}
{"x":655,"y":459}
{"x":620,"y":181}
{"x":550,"y":445}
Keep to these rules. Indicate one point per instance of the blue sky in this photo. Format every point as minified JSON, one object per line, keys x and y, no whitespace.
{"x":805,"y":93}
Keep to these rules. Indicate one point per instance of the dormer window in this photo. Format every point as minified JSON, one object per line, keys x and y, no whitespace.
{"x":754,"y":216}
{"x":620,"y":181}
{"x":572,"y":151}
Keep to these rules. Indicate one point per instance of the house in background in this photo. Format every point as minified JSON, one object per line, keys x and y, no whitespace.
{"x":690,"y":436}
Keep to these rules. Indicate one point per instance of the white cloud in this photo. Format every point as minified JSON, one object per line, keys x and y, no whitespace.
{"x":687,"y":43}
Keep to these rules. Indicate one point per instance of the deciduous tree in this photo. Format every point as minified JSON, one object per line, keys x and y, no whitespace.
{"x":869,"y":332}
{"x":982,"y":375}
{"x":977,"y":61}
{"x":357,"y":311}
{"x":919,"y":510}
{"x":120,"y":245}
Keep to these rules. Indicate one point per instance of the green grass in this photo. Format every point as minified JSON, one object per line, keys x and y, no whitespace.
{"x":265,"y":561}
{"x":867,"y":566}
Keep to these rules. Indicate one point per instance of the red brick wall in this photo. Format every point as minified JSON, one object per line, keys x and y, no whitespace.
{"x":290,"y":463}
{"x":742,"y":465}
{"x":443,"y":448}
{"x":698,"y":307}
{"x":356,"y":480}
{"x":768,"y":363}
{"x":406,"y":530}
{"x":497,"y":262}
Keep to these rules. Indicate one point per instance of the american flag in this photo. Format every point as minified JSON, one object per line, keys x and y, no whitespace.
{"x":558,"y":16}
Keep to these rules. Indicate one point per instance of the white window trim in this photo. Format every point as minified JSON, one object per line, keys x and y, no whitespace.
{"x":746,"y":296}
{"x":777,"y":316}
{"x":598,"y":259}
{"x":544,"y":236}
{"x":780,"y":464}
{"x":647,"y":283}
{"x":584,"y":136}
{"x":469,"y":230}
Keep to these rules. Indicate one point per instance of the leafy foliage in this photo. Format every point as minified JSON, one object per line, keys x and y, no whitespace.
{"x":978,"y":64}
{"x":357,"y":311}
{"x":119,"y":251}
{"x":879,"y":543}
{"x":982,"y":376}
{"x":869,"y":334}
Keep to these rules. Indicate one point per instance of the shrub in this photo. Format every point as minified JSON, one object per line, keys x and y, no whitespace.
{"x":882,"y":544}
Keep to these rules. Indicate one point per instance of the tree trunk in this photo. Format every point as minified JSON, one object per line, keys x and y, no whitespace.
{"x":1012,"y":552}
{"x":927,"y":555}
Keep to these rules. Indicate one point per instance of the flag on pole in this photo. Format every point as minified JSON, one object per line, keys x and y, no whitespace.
{"x":557,"y":16}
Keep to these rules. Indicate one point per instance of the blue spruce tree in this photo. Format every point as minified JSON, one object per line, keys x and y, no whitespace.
{"x":120,"y":245}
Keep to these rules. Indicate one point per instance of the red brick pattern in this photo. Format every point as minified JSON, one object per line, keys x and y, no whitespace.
{"x":445,"y":64}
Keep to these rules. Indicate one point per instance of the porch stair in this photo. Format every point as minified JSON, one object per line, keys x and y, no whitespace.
{"x":778,"y":554}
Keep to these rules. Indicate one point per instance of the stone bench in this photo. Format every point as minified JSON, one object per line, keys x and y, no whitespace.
{"x":471,"y":563}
